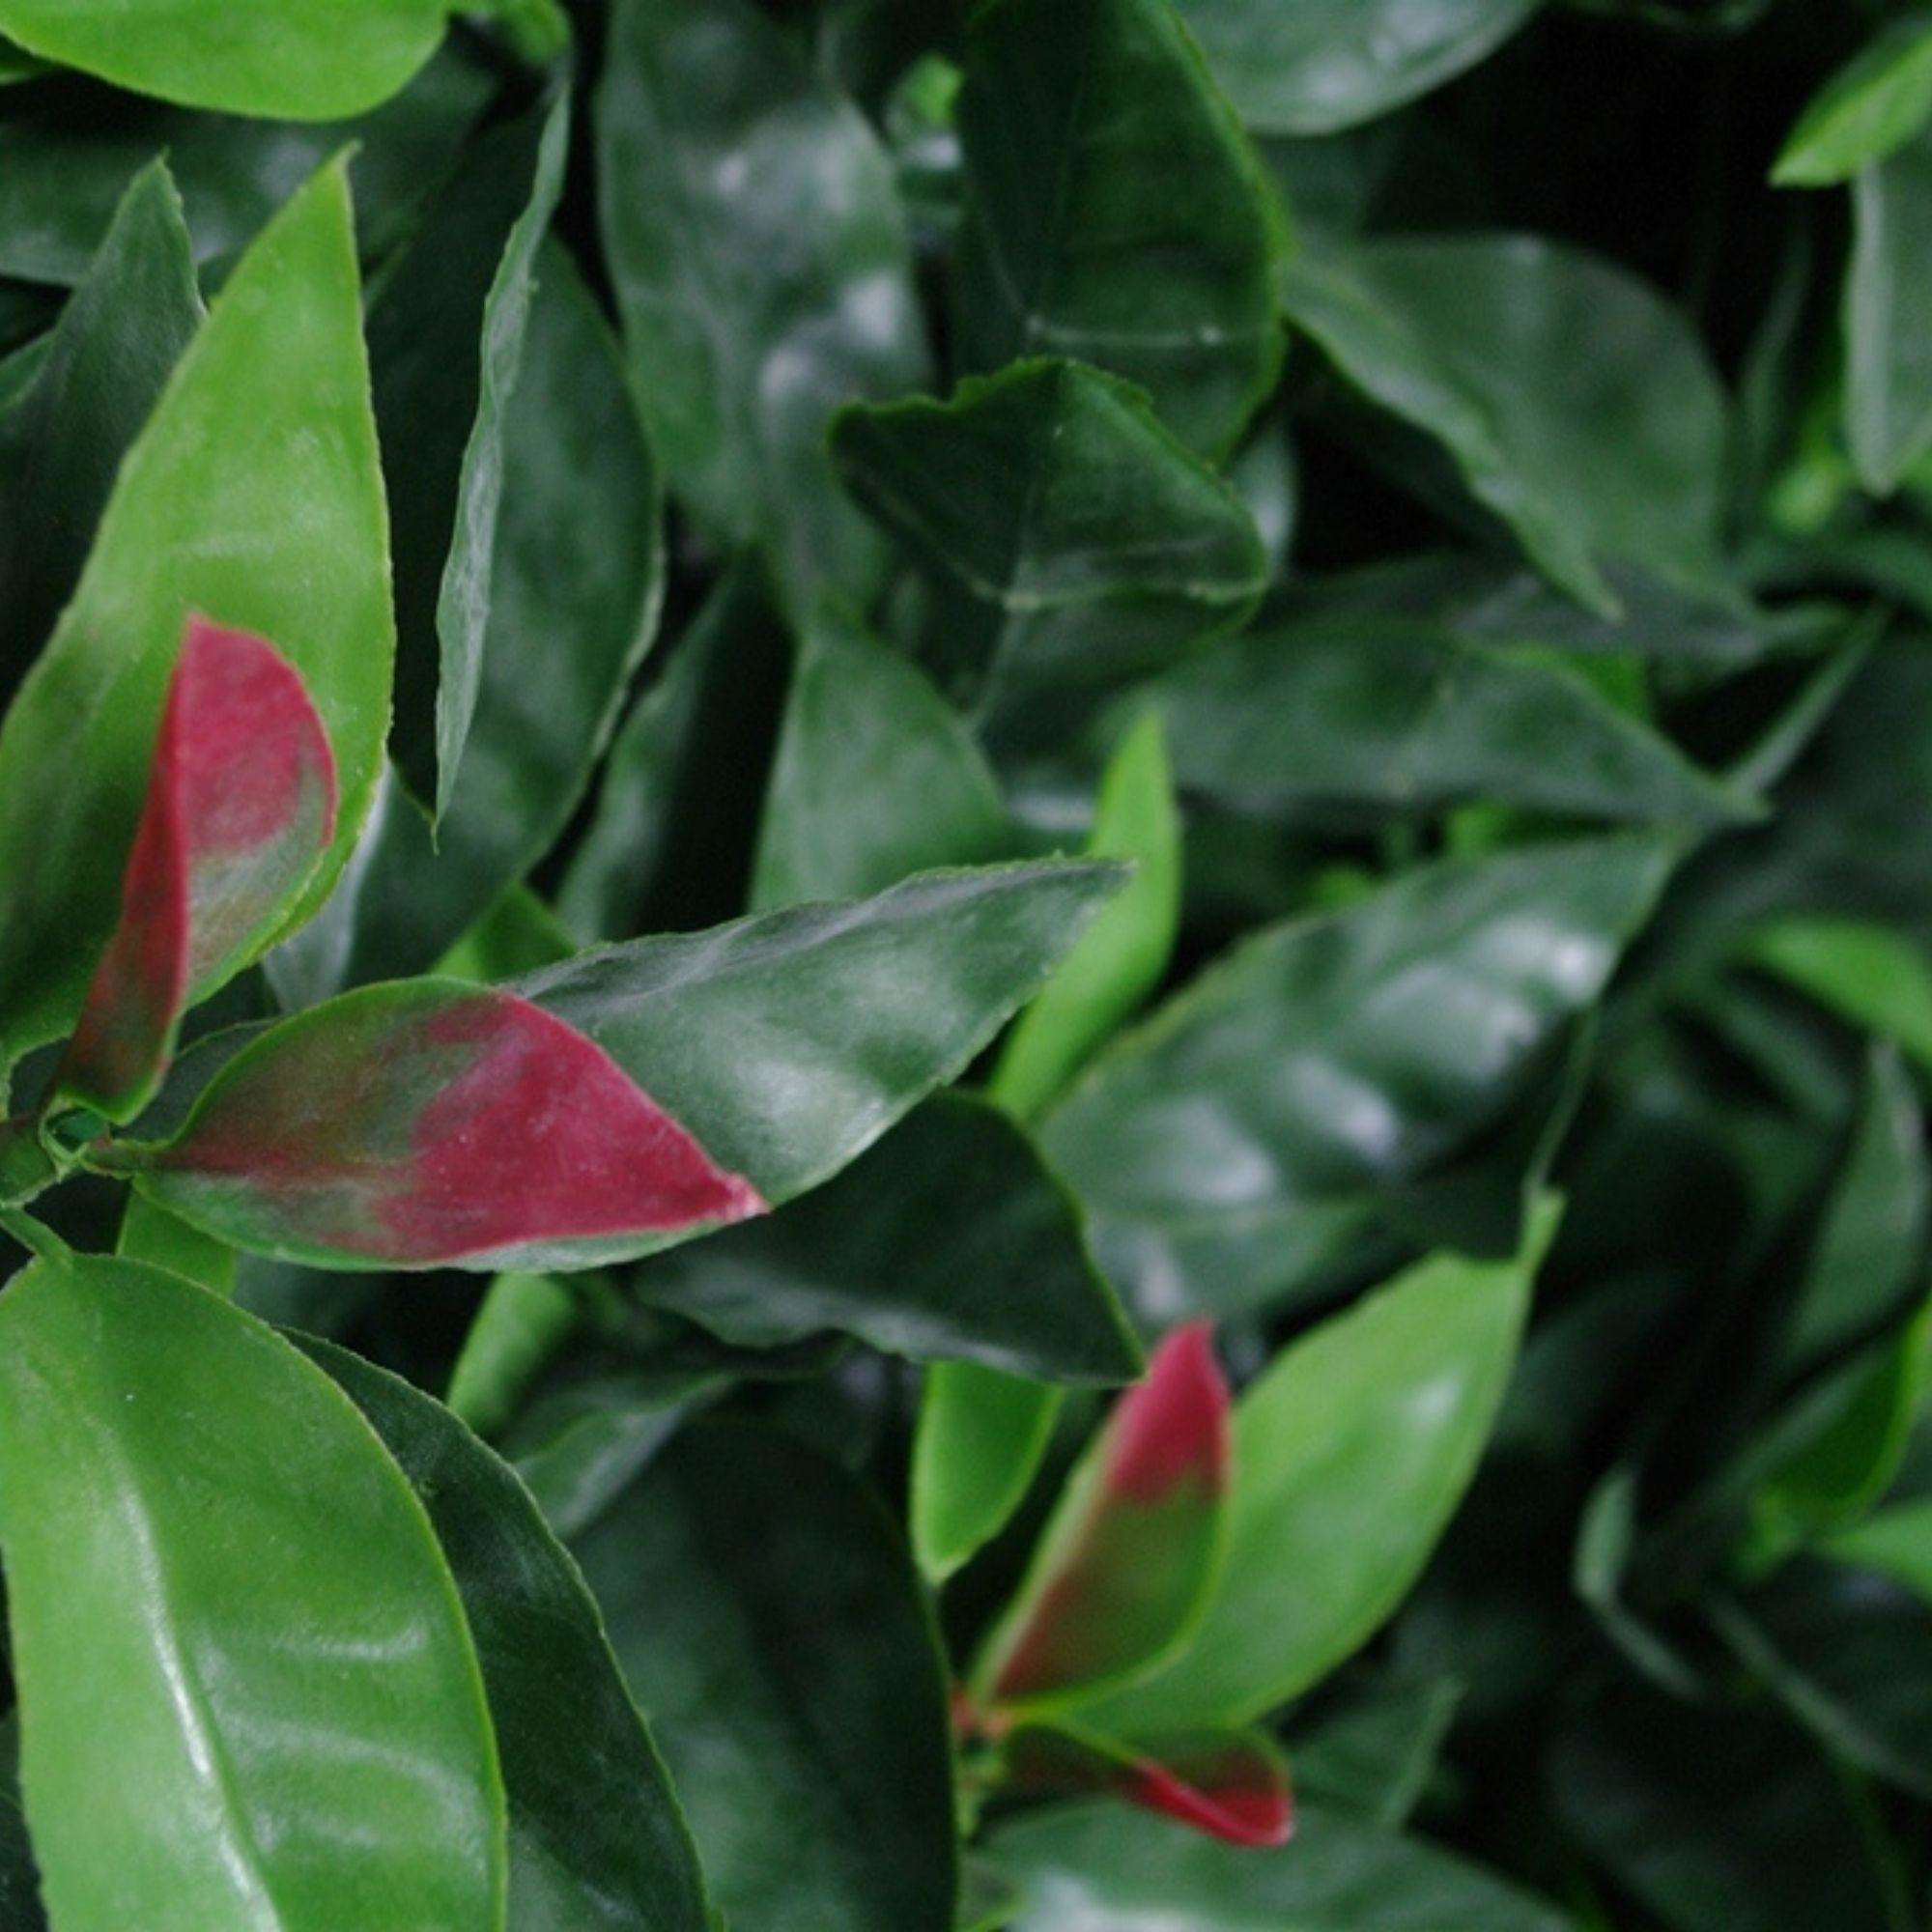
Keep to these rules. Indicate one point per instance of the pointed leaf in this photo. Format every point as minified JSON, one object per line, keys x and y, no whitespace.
{"x":1126,"y":1560}
{"x":248,"y":1694}
{"x":241,"y":806}
{"x":430,"y":1124}
{"x":1876,"y":103}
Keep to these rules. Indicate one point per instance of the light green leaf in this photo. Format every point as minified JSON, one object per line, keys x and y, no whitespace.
{"x":1867,"y":974}
{"x":1888,"y":405}
{"x":1870,"y":107}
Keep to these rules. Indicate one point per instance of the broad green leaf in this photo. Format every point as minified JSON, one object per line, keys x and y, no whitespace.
{"x":1344,"y":718}
{"x":575,"y":583}
{"x":1352,"y":1452}
{"x":1125,"y":1566}
{"x":762,"y":269}
{"x":182,"y":1771}
{"x":1100,"y":1868}
{"x":1888,"y":402}
{"x":1865,"y":973}
{"x":447,"y":345}
{"x":1306,"y":1088}
{"x":151,"y":1234}
{"x":1077,"y":540}
{"x":1318,"y":66}
{"x":305,"y":60}
{"x":948,"y":1240}
{"x":1870,"y":107}
{"x":861,"y":723}
{"x":1114,"y":210}
{"x":597,"y":1842}
{"x":126,"y":327}
{"x":1375,"y":1753}
{"x":252,"y":496}
{"x":820,"y":1788}
{"x":670,"y":840}
{"x":69,"y":149}
{"x":1578,"y":406}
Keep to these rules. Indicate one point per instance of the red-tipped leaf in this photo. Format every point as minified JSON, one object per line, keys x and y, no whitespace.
{"x":1123,"y":1568}
{"x":1230,"y":1784}
{"x":432,"y":1124}
{"x":241,"y":806}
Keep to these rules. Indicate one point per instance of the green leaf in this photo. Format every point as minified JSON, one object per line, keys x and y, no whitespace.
{"x":182,"y":1771}
{"x":763,"y":273}
{"x":164,"y":1241}
{"x":1352,"y":1452}
{"x":947,"y":1239}
{"x":1895,"y":1541}
{"x":1304,"y":1087}
{"x":1477,"y":342}
{"x":1375,"y":1753}
{"x":1116,"y":212}
{"x":128,"y":324}
{"x":1870,"y":107}
{"x":305,"y":60}
{"x":1867,"y":974}
{"x":520,"y":1324}
{"x":1319,"y":66}
{"x":820,"y":1789}
{"x":1357,"y":718}
{"x":1111,"y":1871}
{"x":1887,"y":403}
{"x":252,"y":496}
{"x":1079,"y":540}
{"x":597,"y":1842}
{"x":862,"y":722}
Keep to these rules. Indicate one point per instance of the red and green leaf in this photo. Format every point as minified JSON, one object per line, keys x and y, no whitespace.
{"x":1125,"y":1566}
{"x":240,"y":809}
{"x":1230,"y":1784}
{"x":432,"y":1124}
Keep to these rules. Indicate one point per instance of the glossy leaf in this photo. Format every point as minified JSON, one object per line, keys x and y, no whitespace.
{"x":949,"y":1241}
{"x":301,"y":59}
{"x":1324,"y":64}
{"x":762,"y":268}
{"x":1126,"y":1562}
{"x":1888,"y":411}
{"x":862,"y":722}
{"x":125,"y":330}
{"x":1352,"y":1452}
{"x":1085,"y":542}
{"x":252,"y":496}
{"x":1625,"y":465}
{"x":1101,"y":1867}
{"x":596,"y":1841}
{"x":821,"y":1790}
{"x":241,"y":806}
{"x":180,"y":1772}
{"x":1287,"y":1102}
{"x":1109,"y":100}
{"x":1870,"y":107}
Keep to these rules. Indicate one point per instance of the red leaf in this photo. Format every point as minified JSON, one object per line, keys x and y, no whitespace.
{"x":240,"y":804}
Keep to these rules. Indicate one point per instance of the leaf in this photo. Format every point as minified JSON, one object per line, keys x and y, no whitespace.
{"x":1302,"y":1088}
{"x":446,"y":348}
{"x":862,"y":722}
{"x":241,"y":806}
{"x":430,"y":1124}
{"x":596,"y":1841}
{"x":577,"y":577}
{"x":762,"y":269}
{"x":1125,"y":1566}
{"x":1869,"y":108}
{"x":1085,"y":543}
{"x":1154,"y":252}
{"x":151,"y":1234}
{"x":1481,"y":342}
{"x":251,"y":496}
{"x":820,"y":1791}
{"x":518,"y":1326}
{"x":182,"y":1771}
{"x":1092,"y":1866}
{"x":1321,"y":66}
{"x":946,"y":1239}
{"x":1895,"y":1541}
{"x":305,"y":60}
{"x":1349,"y":719}
{"x":1869,"y":975}
{"x":105,"y":363}
{"x":1375,"y":1752}
{"x":1351,"y":1451}
{"x":1887,"y":404}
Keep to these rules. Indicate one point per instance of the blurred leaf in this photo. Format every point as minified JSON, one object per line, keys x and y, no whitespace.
{"x":821,"y":1790}
{"x":1870,"y":975}
{"x":1870,"y":107}
{"x":1374,"y":1753}
{"x":1887,"y":347}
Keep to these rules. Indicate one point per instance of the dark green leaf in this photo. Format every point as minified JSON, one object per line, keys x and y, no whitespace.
{"x":1887,"y":350}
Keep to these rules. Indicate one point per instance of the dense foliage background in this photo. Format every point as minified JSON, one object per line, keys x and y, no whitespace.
{"x":1445,"y":489}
